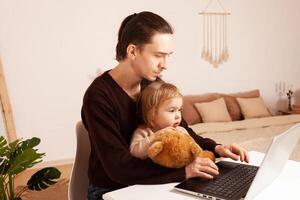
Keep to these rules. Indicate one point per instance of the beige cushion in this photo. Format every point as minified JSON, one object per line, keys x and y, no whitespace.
{"x":191,"y":115}
{"x":214,"y":111}
{"x":246,"y":94}
{"x":253,"y":107}
{"x":189,"y":111}
{"x":233,"y":107}
{"x":232,"y":104}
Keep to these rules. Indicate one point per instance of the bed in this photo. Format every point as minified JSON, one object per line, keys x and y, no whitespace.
{"x":254,"y":133}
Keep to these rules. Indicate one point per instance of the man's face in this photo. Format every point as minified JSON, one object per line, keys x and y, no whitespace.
{"x":151,"y":60}
{"x":168,"y":114}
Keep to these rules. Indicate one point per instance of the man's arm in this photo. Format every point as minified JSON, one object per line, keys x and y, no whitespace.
{"x":113,"y":151}
{"x":205,"y":143}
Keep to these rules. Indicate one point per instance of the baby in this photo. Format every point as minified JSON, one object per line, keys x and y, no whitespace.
{"x":161,"y":105}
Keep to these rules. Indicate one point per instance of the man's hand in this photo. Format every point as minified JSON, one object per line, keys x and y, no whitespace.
{"x":233,"y":151}
{"x":201,"y":167}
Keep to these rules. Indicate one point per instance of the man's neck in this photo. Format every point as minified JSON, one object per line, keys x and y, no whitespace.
{"x":127,"y":79}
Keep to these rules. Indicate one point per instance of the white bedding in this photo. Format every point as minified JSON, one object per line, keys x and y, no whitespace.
{"x":252,"y":134}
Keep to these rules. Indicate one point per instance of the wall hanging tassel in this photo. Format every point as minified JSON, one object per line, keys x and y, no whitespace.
{"x":215,"y":48}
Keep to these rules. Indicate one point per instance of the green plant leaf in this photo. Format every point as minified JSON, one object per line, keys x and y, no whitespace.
{"x":2,"y":188}
{"x":18,"y":156}
{"x":30,"y":143}
{"x":3,"y":147}
{"x":14,"y":144}
{"x":18,"y":146}
{"x":24,"y":160}
{"x":12,"y":150}
{"x":43,"y":178}
{"x":4,"y":165}
{"x":4,"y":154}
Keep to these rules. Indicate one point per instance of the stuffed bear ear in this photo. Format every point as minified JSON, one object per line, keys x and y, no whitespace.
{"x":155,"y":149}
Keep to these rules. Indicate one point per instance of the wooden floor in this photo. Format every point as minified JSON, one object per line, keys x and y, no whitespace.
{"x":58,"y":191}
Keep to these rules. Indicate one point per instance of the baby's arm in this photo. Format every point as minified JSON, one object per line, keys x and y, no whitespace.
{"x":142,"y":139}
{"x":140,"y":142}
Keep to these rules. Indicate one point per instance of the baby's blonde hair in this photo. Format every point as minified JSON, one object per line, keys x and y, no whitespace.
{"x":153,"y":96}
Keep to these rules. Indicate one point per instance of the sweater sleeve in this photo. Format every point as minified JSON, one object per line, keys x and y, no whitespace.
{"x":205,"y":143}
{"x":113,"y":152}
{"x":140,"y":142}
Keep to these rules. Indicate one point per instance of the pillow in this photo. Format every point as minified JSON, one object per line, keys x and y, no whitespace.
{"x":191,"y":115}
{"x":253,"y":107}
{"x":232,"y":104}
{"x":246,"y":94}
{"x":189,"y":111}
{"x":233,"y":108}
{"x":214,"y":111}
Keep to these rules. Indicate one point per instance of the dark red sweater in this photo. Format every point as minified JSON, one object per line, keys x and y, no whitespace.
{"x":110,"y":116}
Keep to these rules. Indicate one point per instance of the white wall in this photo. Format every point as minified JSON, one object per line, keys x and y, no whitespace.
{"x":51,"y":51}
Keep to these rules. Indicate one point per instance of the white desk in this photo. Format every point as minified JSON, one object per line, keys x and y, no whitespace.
{"x":284,"y":187}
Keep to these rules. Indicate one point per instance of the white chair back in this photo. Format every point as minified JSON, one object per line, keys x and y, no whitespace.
{"x":79,"y":181}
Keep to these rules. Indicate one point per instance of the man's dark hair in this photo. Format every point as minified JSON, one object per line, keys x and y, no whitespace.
{"x":138,"y":29}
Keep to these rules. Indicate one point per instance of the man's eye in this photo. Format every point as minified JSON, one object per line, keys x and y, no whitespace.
{"x":171,"y":110}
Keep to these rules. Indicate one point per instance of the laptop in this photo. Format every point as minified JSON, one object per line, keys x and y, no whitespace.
{"x":237,"y":180}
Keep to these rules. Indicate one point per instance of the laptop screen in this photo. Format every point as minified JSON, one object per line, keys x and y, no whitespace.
{"x":271,"y":166}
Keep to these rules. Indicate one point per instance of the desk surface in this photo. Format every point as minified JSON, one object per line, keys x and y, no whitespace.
{"x":284,"y":187}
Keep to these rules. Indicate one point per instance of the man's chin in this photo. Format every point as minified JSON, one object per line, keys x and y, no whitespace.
{"x":158,"y":77}
{"x":153,"y":78}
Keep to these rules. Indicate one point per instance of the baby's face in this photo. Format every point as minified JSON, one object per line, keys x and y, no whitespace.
{"x":168,"y":114}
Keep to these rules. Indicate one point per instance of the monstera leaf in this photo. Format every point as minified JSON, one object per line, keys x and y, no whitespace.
{"x":4,"y":152}
{"x":43,"y":178}
{"x":22,"y":155}
{"x":23,"y":160}
{"x":16,"y":157}
{"x":3,"y":147}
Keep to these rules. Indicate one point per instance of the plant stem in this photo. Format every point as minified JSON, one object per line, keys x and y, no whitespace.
{"x":2,"y":189}
{"x":7,"y":195}
{"x":11,"y":186}
{"x":21,"y":192}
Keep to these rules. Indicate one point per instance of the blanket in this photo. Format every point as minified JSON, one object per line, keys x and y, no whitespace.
{"x":253,"y":134}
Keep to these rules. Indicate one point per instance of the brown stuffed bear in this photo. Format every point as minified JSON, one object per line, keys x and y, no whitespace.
{"x":176,"y":149}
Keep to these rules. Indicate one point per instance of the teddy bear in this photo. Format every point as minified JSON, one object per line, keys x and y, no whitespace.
{"x":175,"y":149}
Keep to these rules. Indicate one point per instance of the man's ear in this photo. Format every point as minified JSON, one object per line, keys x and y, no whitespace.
{"x":132,"y":51}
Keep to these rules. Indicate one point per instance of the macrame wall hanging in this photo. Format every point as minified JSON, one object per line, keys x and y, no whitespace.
{"x":215,"y":49}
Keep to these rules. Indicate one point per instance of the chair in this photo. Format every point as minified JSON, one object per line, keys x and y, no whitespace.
{"x":79,"y":182}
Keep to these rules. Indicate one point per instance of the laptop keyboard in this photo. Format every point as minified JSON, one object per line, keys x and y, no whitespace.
{"x":232,"y":182}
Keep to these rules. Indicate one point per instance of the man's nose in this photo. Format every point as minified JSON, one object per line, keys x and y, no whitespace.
{"x":163,"y":64}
